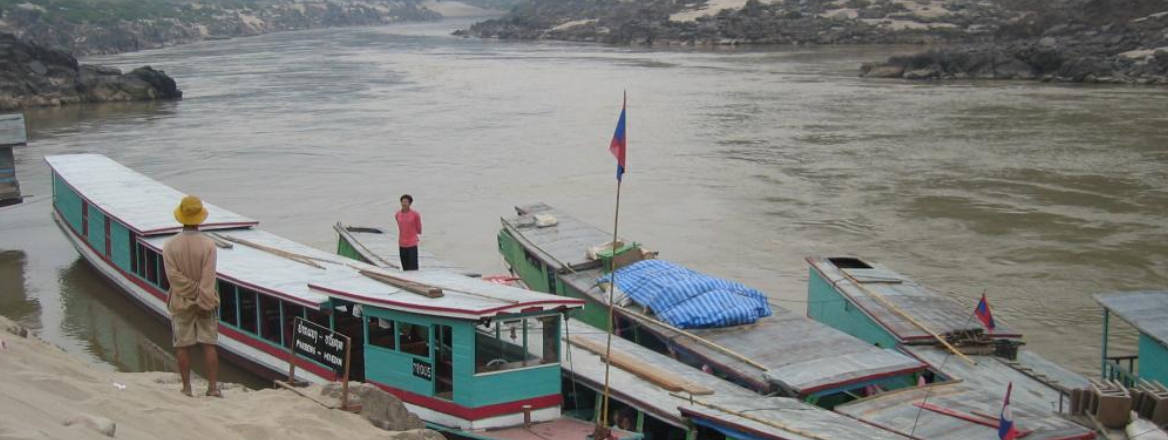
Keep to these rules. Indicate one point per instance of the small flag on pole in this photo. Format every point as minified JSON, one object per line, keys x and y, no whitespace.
{"x":983,"y":313}
{"x":617,"y":146}
{"x":1006,"y":429}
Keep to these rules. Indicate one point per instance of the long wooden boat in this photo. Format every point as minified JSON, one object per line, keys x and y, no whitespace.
{"x":880,"y":306}
{"x":657,"y":395}
{"x":449,"y":355}
{"x":785,"y":353}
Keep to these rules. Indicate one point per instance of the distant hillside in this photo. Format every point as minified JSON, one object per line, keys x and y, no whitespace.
{"x":84,"y":27}
{"x":1123,"y":41}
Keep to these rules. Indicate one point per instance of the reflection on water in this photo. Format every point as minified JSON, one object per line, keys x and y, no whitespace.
{"x":121,"y":332}
{"x":14,"y":302}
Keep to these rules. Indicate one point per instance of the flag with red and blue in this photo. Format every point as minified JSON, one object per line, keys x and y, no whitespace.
{"x":1006,"y":429}
{"x":983,"y":313}
{"x":618,"y":145}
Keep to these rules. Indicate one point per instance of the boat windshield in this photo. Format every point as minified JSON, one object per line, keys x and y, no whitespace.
{"x":517,"y":343}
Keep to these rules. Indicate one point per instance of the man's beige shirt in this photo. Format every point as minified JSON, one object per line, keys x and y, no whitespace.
{"x":190,"y":267}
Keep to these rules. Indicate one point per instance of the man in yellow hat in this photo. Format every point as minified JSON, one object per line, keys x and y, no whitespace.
{"x":190,"y":267}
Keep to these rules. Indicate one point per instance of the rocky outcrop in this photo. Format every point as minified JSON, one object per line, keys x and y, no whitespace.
{"x":667,"y":22}
{"x":31,"y":75}
{"x":1128,"y":50}
{"x":86,"y":28}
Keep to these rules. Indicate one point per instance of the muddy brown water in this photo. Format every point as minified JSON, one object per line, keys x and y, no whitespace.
{"x":741,"y":163}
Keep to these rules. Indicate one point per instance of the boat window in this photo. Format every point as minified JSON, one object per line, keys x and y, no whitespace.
{"x":151,"y":266}
{"x":85,"y":220}
{"x":247,"y":310}
{"x":319,"y":318}
{"x":133,"y":253}
{"x":849,"y":263}
{"x":270,"y":319}
{"x":227,"y":312}
{"x":291,"y":311}
{"x":506,"y":345}
{"x":549,"y":352}
{"x":415,"y":339}
{"x":163,"y":281}
{"x":381,"y":333}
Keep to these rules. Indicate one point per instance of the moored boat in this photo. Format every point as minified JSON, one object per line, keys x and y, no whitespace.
{"x":12,"y":133}
{"x":883,"y":307}
{"x":784,"y":353}
{"x":440,"y":342}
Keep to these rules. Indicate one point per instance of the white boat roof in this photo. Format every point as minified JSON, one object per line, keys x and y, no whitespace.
{"x":730,"y":404}
{"x":339,"y":277}
{"x":1146,"y":310}
{"x":12,"y":130}
{"x":144,"y":205}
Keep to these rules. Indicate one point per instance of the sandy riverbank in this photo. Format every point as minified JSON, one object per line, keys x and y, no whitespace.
{"x":42,"y":389}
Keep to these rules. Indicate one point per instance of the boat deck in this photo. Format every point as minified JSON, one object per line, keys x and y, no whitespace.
{"x":12,"y":130}
{"x":729,"y":404}
{"x":939,"y":313}
{"x":965,"y":407}
{"x":379,"y":246}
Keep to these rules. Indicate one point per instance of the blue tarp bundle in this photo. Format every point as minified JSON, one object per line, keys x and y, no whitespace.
{"x":688,"y":299}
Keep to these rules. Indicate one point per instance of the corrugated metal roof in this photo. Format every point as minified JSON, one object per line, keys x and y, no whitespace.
{"x":143,"y":204}
{"x":731,"y":401}
{"x":1146,"y":310}
{"x":939,"y":313}
{"x":798,"y":353}
{"x":379,"y":246}
{"x":12,"y":129}
{"x":979,"y":388}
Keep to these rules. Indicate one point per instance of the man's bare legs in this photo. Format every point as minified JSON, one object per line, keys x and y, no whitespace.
{"x":211,"y":357}
{"x":183,"y":355}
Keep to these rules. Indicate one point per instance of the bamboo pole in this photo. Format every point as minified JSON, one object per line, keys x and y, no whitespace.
{"x":302,"y":259}
{"x":907,"y":317}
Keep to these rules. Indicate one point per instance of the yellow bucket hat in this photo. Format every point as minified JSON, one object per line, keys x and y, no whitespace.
{"x":190,"y":212}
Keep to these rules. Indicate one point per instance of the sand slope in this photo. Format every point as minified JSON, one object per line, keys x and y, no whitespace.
{"x":41,"y":387}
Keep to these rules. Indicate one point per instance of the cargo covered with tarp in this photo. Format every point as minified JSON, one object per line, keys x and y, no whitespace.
{"x":685,"y":298}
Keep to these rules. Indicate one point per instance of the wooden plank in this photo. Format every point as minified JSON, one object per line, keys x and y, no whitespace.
{"x":660,"y":377}
{"x":407,"y":285}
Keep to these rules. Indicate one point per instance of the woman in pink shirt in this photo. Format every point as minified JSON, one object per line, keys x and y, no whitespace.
{"x":409,"y":230}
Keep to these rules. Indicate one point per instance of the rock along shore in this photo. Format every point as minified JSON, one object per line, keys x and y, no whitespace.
{"x":31,"y":76}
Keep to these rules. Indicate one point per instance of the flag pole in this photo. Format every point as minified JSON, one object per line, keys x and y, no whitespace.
{"x":604,"y":422}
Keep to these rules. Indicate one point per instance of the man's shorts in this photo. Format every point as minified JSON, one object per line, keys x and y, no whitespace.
{"x":194,"y":326}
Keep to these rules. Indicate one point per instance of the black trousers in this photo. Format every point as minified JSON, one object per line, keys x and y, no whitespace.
{"x":409,"y":257}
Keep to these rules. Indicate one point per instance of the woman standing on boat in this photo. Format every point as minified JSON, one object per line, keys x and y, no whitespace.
{"x":189,"y":258}
{"x":409,"y":233}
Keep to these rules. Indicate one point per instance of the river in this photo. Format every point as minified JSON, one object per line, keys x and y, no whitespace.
{"x":741,"y":163}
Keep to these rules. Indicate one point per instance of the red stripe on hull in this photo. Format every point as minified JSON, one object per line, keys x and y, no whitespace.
{"x":468,"y":413}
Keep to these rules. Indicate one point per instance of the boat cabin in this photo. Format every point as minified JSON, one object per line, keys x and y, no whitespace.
{"x":1147,"y":311}
{"x":459,"y":352}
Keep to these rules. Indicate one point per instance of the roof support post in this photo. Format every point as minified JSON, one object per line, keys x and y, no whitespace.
{"x":1106,"y":328}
